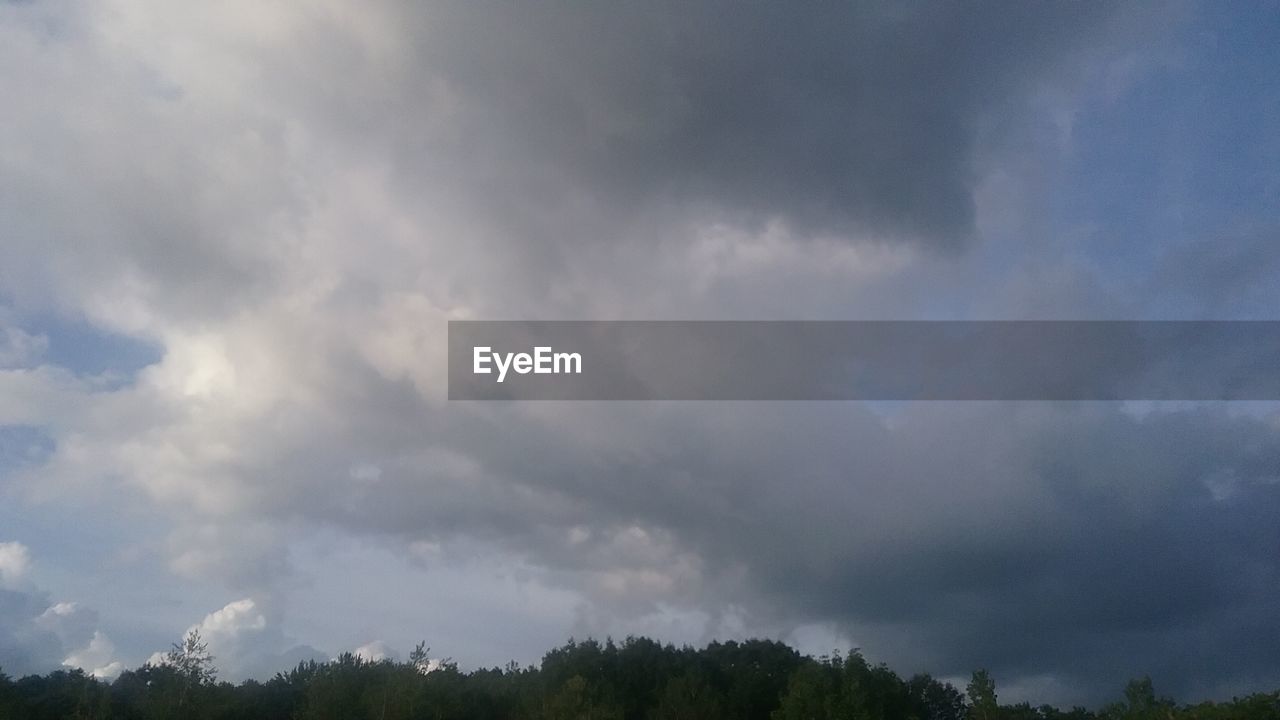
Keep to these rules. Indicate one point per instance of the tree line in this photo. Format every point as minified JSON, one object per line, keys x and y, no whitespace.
{"x":637,"y":679}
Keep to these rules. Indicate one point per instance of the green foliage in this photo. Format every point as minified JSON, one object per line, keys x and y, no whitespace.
{"x":1140,"y":703}
{"x":576,"y":699}
{"x":687,"y":697}
{"x":191,"y":659}
{"x":850,"y":687}
{"x":814,"y":692}
{"x":933,"y":700}
{"x":751,"y":676}
{"x":982,"y":697}
{"x":638,"y":679}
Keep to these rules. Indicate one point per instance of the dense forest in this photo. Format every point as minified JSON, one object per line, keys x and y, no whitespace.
{"x":638,"y":679}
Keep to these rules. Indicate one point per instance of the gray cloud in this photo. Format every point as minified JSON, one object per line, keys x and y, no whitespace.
{"x":1229,"y":275}
{"x":26,"y":646}
{"x":291,"y":202}
{"x":1077,"y":542}
{"x":1080,"y":542}
{"x":853,"y":120}
{"x":38,"y":634}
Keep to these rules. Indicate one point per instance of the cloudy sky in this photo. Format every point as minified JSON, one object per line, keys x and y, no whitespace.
{"x":231,"y":235}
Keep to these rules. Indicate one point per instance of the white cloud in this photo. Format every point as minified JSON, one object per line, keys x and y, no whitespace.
{"x":15,"y":560}
{"x":70,"y":621}
{"x":228,"y":631}
{"x":96,"y":658}
{"x":375,"y":651}
{"x":234,"y":619}
{"x":245,"y":642}
{"x":62,"y":609}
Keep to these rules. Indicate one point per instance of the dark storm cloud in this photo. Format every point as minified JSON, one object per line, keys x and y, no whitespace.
{"x":853,"y":119}
{"x":1073,"y":541}
{"x":1077,"y":542}
{"x":1112,"y":547}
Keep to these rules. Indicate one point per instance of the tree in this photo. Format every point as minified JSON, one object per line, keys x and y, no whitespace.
{"x":816,"y":691}
{"x":638,"y":680}
{"x":934,"y":700}
{"x":574,"y":702}
{"x":419,"y":659}
{"x":687,"y":697}
{"x":1140,"y":703}
{"x":193,"y":662}
{"x":751,"y":676}
{"x":982,"y":697}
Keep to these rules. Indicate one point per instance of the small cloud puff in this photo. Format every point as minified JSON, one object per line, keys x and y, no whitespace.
{"x":15,"y":560}
{"x":375,"y":651}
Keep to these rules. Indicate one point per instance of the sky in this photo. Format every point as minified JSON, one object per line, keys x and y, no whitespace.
{"x":231,"y":235}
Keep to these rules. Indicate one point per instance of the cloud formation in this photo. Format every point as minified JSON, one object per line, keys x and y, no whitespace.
{"x":244,"y":643}
{"x":289,"y":201}
{"x":37,"y":634}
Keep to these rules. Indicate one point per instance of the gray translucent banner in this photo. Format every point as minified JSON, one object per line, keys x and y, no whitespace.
{"x":864,"y":360}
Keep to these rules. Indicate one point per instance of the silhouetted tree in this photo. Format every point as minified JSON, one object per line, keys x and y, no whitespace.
{"x":638,"y":679}
{"x":193,"y":663}
{"x":934,"y":700}
{"x":982,"y":697}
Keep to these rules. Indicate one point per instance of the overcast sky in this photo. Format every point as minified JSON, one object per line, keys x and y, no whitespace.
{"x":231,"y":235}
